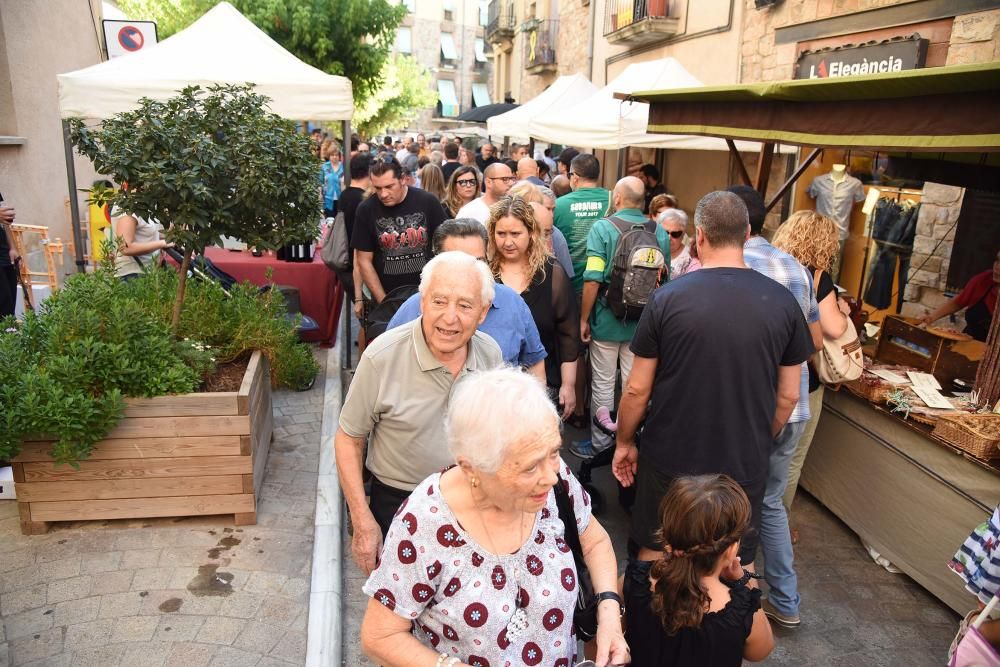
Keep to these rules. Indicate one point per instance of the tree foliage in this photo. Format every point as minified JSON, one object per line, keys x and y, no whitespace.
{"x":206,"y":164}
{"x":405,"y":90}
{"x":347,"y":37}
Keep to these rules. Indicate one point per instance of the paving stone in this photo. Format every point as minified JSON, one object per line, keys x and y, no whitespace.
{"x":134,"y":629}
{"x":134,"y":559}
{"x":72,"y":612}
{"x":291,"y":647}
{"x":259,"y":637}
{"x":265,"y":582}
{"x":231,"y":657}
{"x":268,"y":661}
{"x":120,"y":604}
{"x":296,"y":589}
{"x":98,"y":562}
{"x":23,"y":599}
{"x":27,"y":623}
{"x":61,"y":660}
{"x":147,"y":654}
{"x":190,"y":604}
{"x":241,"y":604}
{"x":112,"y":582}
{"x":15,"y":560}
{"x":94,"y":633}
{"x":99,"y":656}
{"x":279,"y":611}
{"x":220,"y":630}
{"x":151,"y":578}
{"x":190,"y":655}
{"x":69,"y":589}
{"x":35,"y":646}
{"x":173,"y":628}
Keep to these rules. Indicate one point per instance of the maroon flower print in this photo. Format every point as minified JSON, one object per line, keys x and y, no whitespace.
{"x":568,"y":578}
{"x":431,"y":635}
{"x":561,"y":662}
{"x":552,"y":619}
{"x":406,"y":552}
{"x":433,"y":570}
{"x":475,"y":615}
{"x":449,"y":633}
{"x":498,"y":578}
{"x":531,"y":654}
{"x":454,"y":586}
{"x":410,"y":522}
{"x":522,"y":598}
{"x":422,"y":593}
{"x":534,"y":565}
{"x":385,"y":596}
{"x":477,"y":661}
{"x":539,"y":537}
{"x":546,"y":513}
{"x":477,"y":560}
{"x":447,"y":536}
{"x":502,"y":640}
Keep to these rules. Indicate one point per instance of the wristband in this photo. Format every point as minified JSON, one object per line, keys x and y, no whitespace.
{"x":611,"y":595}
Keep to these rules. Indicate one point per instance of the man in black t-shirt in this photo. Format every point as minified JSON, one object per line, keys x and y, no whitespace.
{"x":451,"y":162}
{"x":8,"y":271}
{"x":719,"y":352}
{"x":393,"y":230}
{"x":350,"y":198}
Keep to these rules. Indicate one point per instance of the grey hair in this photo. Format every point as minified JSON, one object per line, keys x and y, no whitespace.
{"x":673,"y":215}
{"x":723,"y":218}
{"x":546,"y":192}
{"x":456,"y":260}
{"x":491,"y":410}
{"x":458,"y":228}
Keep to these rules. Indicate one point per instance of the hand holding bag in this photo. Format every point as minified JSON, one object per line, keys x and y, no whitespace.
{"x":585,"y":614}
{"x":839,"y":360}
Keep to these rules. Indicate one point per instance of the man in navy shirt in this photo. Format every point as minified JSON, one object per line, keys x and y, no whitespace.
{"x":508,"y":321}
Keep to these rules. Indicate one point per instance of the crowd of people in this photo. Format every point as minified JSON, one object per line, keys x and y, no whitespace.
{"x":517,"y":318}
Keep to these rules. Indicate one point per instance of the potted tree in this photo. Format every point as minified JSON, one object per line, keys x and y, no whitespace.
{"x":204,"y":163}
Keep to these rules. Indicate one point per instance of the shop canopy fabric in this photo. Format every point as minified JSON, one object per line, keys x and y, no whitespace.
{"x":943,"y":110}
{"x":221,"y":47}
{"x":603,"y":122}
{"x":565,"y":92}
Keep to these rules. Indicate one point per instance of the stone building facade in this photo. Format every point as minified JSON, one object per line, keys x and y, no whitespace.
{"x":958,"y":32}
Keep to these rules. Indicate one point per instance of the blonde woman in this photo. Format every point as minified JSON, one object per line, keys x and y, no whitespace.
{"x":520,"y":259}
{"x":432,"y":180}
{"x":813,"y":239}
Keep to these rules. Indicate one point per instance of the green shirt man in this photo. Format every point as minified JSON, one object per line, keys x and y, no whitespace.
{"x":574,"y":215}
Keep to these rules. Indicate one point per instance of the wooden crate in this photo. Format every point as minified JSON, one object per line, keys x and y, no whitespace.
{"x":184,"y":455}
{"x":902,"y":342}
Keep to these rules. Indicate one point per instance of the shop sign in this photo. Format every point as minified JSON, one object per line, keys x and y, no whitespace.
{"x":878,"y":58}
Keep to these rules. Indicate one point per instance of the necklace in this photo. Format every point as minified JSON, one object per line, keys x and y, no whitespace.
{"x":518,"y":622}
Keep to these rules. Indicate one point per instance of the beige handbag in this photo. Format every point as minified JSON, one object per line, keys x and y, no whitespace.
{"x":839,"y":360}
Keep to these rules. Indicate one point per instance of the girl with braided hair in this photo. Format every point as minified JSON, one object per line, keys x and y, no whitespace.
{"x":692,"y":606}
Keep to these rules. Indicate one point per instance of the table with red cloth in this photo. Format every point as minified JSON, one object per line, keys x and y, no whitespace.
{"x":320,"y":293}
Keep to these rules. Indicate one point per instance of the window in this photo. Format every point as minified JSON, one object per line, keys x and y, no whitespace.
{"x":480,"y":53}
{"x":449,"y":10}
{"x":449,"y":54}
{"x":480,"y":95}
{"x":404,"y":41}
{"x":484,"y":13}
{"x":447,"y":99}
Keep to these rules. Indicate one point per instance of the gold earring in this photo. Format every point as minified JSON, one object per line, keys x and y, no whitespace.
{"x":475,"y":482}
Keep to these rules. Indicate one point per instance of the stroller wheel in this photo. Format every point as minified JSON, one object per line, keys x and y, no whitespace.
{"x":309,"y":385}
{"x":596,"y":499}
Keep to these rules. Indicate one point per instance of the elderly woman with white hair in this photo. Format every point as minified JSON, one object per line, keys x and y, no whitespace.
{"x":477,"y":567}
{"x":675,"y":222}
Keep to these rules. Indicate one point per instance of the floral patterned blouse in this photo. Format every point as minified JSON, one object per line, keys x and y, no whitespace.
{"x":461,"y":597}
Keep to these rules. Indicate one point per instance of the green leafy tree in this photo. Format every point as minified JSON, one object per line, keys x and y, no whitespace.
{"x":206,"y":164}
{"x":347,"y":37}
{"x":405,"y":90}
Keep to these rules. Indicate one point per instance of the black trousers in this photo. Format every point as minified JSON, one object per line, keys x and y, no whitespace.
{"x":8,"y":289}
{"x":384,"y":501}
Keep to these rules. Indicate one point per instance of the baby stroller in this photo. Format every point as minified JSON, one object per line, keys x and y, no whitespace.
{"x":626,"y":495}
{"x":377,"y":319}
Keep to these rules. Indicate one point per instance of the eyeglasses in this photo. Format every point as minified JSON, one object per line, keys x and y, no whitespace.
{"x":505,"y":179}
{"x":466,"y":182}
{"x":572,"y":174}
{"x":677,"y":234}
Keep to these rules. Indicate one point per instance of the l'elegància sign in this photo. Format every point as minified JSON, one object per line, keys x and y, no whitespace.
{"x":874,"y":58}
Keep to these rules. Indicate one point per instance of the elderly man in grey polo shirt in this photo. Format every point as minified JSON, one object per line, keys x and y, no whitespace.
{"x":400,"y":392}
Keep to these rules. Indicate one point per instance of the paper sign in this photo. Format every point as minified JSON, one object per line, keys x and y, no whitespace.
{"x":870,"y":200}
{"x":889,"y":376}
{"x":932,"y":398}
{"x":925,"y":380}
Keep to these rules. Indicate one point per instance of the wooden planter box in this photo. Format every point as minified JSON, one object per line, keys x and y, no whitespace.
{"x":184,"y":455}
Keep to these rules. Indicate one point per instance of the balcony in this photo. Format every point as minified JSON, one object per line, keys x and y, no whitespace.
{"x":638,"y":22}
{"x":540,"y":46}
{"x":500,"y":20}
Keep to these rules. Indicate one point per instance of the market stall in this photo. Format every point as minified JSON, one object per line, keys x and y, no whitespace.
{"x":899,"y":455}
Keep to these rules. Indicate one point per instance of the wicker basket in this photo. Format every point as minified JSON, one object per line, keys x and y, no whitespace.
{"x":877,"y":392}
{"x":978,"y":435}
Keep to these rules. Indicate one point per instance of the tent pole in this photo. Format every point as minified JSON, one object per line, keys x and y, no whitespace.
{"x":347,"y":145}
{"x":744,"y":174}
{"x":74,"y":205}
{"x":764,"y":168}
{"x":794,"y":177}
{"x":348,"y":298}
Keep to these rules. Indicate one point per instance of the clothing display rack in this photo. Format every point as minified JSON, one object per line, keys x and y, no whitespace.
{"x":864,"y":282}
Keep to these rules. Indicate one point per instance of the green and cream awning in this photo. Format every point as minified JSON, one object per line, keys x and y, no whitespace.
{"x":935,"y":110}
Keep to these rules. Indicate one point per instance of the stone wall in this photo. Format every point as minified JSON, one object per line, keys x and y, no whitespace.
{"x":939,"y":210}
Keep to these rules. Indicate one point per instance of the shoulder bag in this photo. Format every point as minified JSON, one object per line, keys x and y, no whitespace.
{"x":585,"y":613}
{"x":839,"y":360}
{"x":335,"y":253}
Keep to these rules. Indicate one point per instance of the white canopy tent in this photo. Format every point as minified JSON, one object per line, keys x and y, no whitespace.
{"x":566,"y":91}
{"x":602,"y":121}
{"x":222,"y":47}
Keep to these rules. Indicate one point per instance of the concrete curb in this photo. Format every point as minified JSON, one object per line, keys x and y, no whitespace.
{"x":324,"y":639}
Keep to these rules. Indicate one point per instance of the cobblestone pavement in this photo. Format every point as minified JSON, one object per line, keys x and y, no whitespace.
{"x":189,"y":592}
{"x":854,"y":613}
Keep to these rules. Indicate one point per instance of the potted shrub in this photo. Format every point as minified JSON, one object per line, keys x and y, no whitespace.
{"x":106,"y":377}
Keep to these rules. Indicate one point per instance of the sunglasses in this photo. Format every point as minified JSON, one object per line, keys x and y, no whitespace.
{"x":676,"y":235}
{"x":466,"y":182}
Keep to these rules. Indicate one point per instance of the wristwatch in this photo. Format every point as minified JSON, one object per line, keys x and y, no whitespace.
{"x":611,"y":595}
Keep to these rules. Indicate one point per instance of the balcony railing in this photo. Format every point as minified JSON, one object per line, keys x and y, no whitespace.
{"x":501,"y":19}
{"x":638,"y":21}
{"x":540,"y":45}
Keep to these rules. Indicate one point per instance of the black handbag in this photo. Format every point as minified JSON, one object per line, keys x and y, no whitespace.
{"x":585,"y":613}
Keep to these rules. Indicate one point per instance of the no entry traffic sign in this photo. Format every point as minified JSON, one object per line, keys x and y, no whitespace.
{"x":125,"y":37}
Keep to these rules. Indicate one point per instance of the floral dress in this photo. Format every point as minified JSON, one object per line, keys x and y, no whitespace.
{"x":978,"y":560}
{"x":462,"y":598}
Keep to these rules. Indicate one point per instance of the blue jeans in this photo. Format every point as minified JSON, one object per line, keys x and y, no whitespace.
{"x":775,"y":540}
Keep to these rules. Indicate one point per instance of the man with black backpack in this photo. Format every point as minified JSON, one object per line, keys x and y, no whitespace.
{"x":627,"y":258}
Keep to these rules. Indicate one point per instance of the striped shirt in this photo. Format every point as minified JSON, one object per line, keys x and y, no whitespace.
{"x":781,"y":267}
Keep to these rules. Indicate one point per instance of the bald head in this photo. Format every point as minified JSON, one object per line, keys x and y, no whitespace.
{"x":560,"y":185}
{"x":630,"y":192}
{"x":526,"y":167}
{"x":499,"y":179}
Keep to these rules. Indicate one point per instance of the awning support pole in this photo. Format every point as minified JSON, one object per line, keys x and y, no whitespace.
{"x":764,"y":168}
{"x":794,"y":177}
{"x":74,"y":205}
{"x":348,"y":298}
{"x":744,"y":174}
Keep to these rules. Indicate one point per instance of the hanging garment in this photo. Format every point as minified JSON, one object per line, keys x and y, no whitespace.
{"x":893,"y":231}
